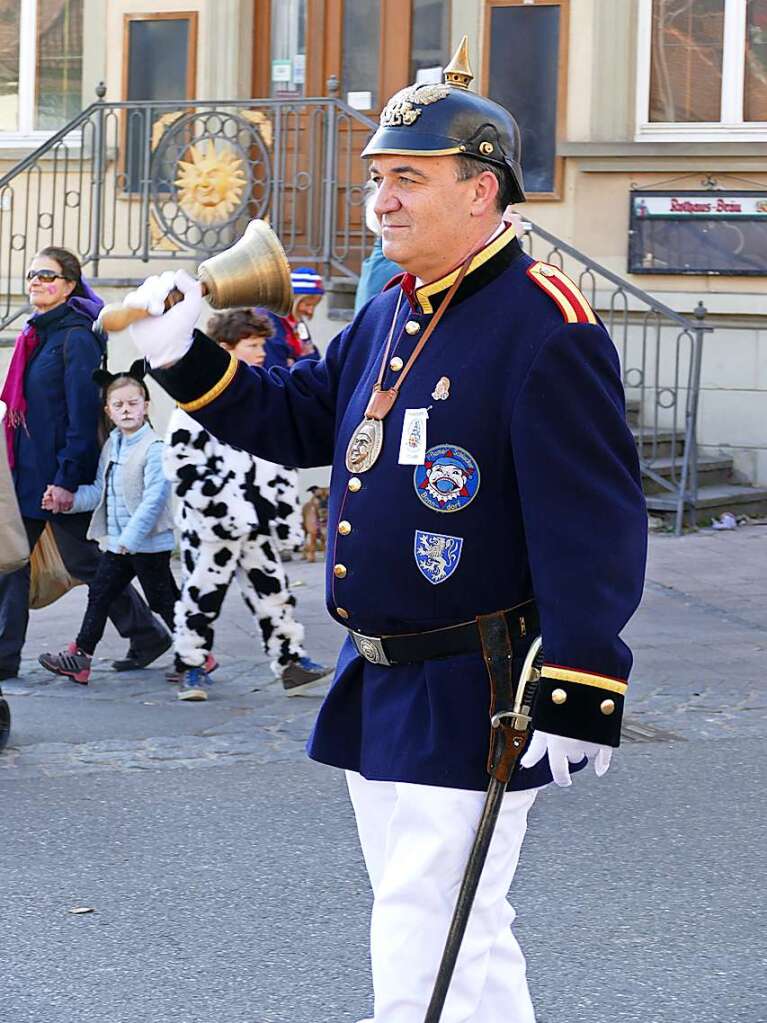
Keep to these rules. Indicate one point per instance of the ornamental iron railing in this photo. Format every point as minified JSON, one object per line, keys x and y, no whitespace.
{"x":126,"y":184}
{"x":660,"y":353}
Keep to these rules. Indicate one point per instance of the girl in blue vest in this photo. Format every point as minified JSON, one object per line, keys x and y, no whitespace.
{"x":132,"y":520}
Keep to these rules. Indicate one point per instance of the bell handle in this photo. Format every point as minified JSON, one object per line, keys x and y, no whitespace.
{"x":118,"y":317}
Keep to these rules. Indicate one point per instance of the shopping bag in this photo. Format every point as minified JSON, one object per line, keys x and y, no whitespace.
{"x":50,"y":579}
{"x":14,"y":548}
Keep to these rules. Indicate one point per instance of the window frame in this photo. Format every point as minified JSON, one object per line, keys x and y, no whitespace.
{"x":562,"y":70}
{"x":192,"y":17}
{"x":26,"y":134}
{"x":191,"y":68}
{"x":730,"y":127}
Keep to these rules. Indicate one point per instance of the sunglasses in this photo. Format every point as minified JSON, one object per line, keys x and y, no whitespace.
{"x":46,"y":276}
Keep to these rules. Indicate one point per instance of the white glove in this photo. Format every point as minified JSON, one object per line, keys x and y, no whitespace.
{"x":163,"y":338}
{"x":563,"y":751}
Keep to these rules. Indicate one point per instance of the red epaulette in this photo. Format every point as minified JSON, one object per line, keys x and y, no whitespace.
{"x":557,"y":285}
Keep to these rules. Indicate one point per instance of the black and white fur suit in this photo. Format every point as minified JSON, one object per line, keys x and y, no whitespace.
{"x":228,"y":512}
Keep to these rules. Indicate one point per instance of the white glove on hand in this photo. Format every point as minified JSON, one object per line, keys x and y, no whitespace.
{"x":163,"y":338}
{"x":563,"y":751}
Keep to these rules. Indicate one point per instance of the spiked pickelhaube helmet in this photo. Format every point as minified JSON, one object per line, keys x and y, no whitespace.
{"x":448,"y":119}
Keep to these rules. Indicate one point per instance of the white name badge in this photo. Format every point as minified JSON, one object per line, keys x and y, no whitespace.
{"x":412,"y":445}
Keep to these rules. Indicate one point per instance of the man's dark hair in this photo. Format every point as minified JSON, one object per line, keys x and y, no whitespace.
{"x":230,"y":327}
{"x":471,"y":167}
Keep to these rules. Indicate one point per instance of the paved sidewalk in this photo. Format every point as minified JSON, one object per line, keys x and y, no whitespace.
{"x":222,"y":869}
{"x":699,"y":638}
{"x":132,"y":720}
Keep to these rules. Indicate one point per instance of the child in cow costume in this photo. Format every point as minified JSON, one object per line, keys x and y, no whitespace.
{"x":228,"y":506}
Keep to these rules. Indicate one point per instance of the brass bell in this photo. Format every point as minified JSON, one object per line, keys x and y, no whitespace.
{"x":253,"y":272}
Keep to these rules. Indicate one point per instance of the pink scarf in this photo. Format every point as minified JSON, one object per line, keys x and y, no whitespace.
{"x":13,"y":388}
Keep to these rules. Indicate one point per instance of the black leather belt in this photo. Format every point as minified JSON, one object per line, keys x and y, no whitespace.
{"x":450,"y":641}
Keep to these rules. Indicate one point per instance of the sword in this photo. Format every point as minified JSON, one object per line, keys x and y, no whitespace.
{"x":511,"y":726}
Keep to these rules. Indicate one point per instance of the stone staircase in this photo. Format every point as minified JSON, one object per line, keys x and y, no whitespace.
{"x":341,"y":291}
{"x":719,"y":488}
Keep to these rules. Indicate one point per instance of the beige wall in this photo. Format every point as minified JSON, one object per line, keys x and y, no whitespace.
{"x":733,"y":398}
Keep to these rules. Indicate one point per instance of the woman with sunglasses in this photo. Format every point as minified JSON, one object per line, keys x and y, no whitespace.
{"x":51,"y":432}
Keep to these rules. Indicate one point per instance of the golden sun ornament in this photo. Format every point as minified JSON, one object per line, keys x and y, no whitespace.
{"x":210,"y":184}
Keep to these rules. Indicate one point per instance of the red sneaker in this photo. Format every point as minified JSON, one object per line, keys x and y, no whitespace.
{"x":71,"y":662}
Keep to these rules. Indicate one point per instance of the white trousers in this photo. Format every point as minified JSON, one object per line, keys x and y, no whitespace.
{"x":416,"y":840}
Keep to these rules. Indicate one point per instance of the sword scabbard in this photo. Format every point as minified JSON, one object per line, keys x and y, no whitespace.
{"x":510,"y":703}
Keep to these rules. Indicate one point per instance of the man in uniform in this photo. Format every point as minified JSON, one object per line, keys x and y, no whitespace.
{"x":489,"y":469}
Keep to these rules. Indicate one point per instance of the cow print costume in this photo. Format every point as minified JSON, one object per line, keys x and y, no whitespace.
{"x":288,"y":524}
{"x":227,"y":502}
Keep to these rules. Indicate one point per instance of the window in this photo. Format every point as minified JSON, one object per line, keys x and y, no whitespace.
{"x":41,"y":53}
{"x":755,"y":85}
{"x":362,"y":51}
{"x":160,"y":59}
{"x":536,"y":35}
{"x":429,"y":37}
{"x":288,"y":70}
{"x":702,"y":69}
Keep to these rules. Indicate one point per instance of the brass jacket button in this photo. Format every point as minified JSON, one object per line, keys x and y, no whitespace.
{"x":342,"y":612}
{"x":607,"y":706}
{"x":355,"y":484}
{"x":558,"y":696}
{"x":396,"y":364}
{"x":412,"y":327}
{"x":339,"y":571}
{"x":344,"y":527}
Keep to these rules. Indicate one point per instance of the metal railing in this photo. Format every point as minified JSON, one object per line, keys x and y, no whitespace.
{"x":661,"y":354}
{"x":128,"y":183}
{"x":125,"y":183}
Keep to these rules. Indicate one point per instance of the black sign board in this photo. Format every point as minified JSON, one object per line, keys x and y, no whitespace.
{"x":698,"y":232}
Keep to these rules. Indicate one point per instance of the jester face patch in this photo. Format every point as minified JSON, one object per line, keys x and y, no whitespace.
{"x":448,"y":480}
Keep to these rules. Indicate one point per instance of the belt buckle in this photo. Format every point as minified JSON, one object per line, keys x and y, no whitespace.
{"x":371,"y":648}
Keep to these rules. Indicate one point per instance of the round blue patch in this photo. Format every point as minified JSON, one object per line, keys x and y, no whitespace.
{"x":448,"y":480}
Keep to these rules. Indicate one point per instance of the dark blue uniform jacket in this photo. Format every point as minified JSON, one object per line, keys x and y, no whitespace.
{"x":276,"y":348}
{"x":60,"y":444}
{"x":551,"y":507}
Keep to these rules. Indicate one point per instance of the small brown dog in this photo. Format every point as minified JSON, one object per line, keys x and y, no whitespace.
{"x":315,"y":516}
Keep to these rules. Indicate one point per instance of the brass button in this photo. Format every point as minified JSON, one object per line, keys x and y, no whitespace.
{"x":607,"y":706}
{"x":355,"y":484}
{"x":396,"y":364}
{"x":548,"y":271}
{"x":342,"y":612}
{"x":558,"y":696}
{"x":344,"y":527}
{"x":486,"y":148}
{"x":339,"y":571}
{"x":412,"y":327}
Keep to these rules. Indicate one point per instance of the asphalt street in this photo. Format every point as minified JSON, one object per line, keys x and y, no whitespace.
{"x":221,"y":866}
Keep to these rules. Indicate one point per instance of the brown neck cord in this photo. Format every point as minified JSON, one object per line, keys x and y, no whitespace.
{"x":381,"y":402}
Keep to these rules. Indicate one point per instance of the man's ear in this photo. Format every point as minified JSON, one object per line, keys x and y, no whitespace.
{"x":485,"y":193}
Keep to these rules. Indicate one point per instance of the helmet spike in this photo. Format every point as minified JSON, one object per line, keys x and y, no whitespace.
{"x":458,"y":72}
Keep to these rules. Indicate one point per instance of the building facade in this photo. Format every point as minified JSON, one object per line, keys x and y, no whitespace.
{"x":644,"y":127}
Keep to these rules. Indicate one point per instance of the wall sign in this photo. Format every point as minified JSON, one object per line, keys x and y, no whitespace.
{"x":698,"y":232}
